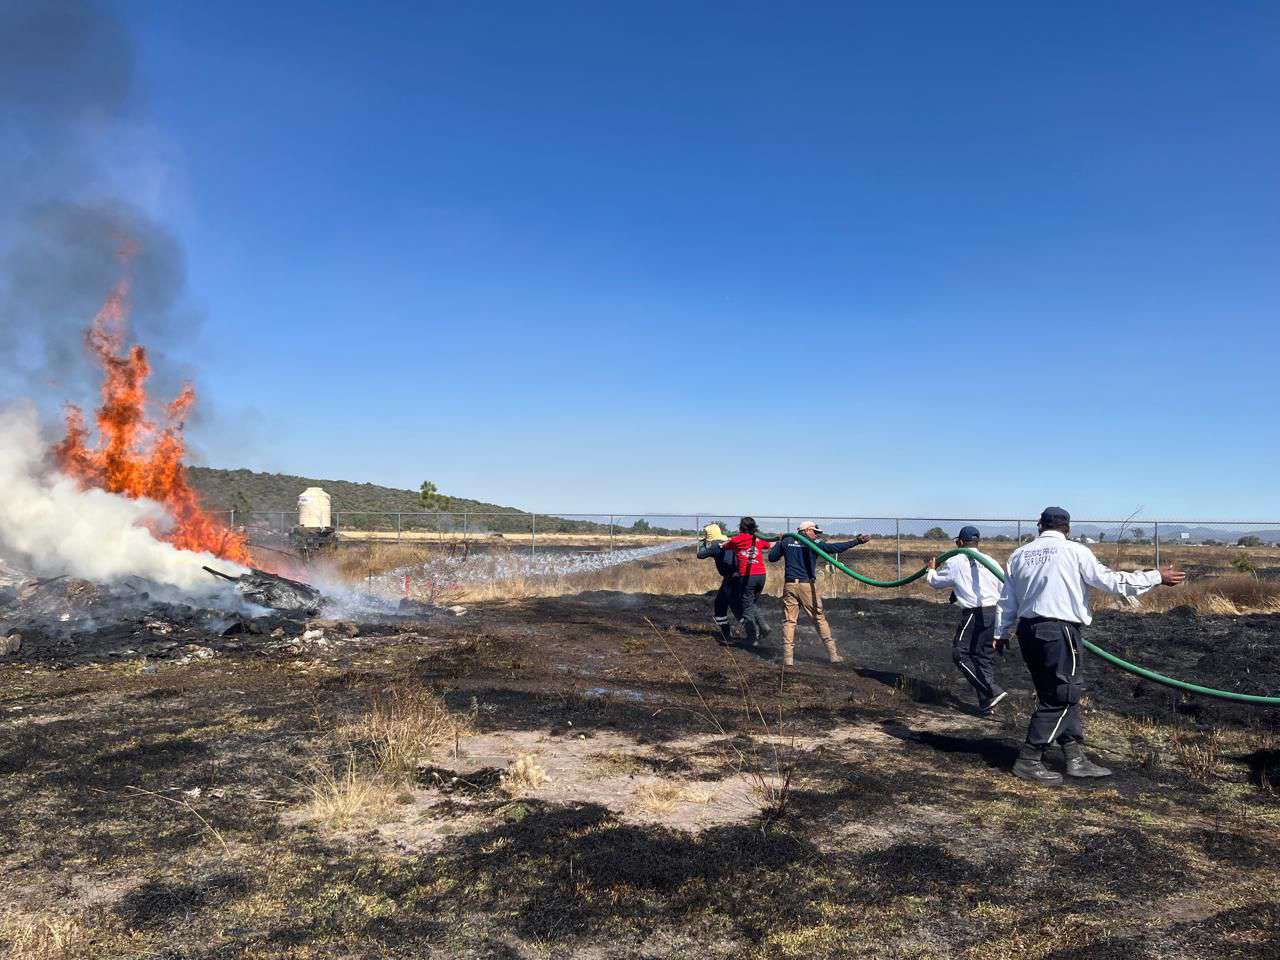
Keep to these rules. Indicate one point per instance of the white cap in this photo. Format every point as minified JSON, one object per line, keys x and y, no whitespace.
{"x":805,"y":525}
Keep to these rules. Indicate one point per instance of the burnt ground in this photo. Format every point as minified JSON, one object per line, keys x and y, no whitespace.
{"x":154,"y":807}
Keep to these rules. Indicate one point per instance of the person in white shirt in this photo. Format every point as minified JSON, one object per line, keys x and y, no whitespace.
{"x":976,"y":589}
{"x":1046,"y":601}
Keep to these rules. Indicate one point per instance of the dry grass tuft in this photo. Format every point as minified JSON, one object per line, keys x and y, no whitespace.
{"x":659,"y":798}
{"x":523,"y":774}
{"x":405,"y":726}
{"x":44,"y":937}
{"x":1199,"y":757}
{"x":349,"y":796}
{"x":381,"y":753}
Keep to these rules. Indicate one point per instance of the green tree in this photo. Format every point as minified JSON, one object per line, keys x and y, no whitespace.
{"x":936,"y":533}
{"x":1249,"y":541}
{"x":431,"y":498}
{"x":640,"y":526}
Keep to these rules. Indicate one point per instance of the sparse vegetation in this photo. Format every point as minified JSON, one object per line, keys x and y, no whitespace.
{"x":522,"y":775}
{"x":349,"y":794}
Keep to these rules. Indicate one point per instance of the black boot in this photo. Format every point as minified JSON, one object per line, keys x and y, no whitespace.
{"x":1030,"y":766}
{"x":762,"y":628}
{"x":1078,"y":765}
{"x":726,"y":631}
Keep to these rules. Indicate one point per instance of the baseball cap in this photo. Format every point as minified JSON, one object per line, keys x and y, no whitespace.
{"x":808,"y":525}
{"x":1052,"y":515}
{"x":969,"y":533}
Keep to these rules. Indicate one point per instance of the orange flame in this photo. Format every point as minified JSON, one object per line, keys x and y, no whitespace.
{"x":133,"y":457}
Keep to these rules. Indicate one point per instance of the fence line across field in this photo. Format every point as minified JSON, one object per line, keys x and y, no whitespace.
{"x":599,"y":529}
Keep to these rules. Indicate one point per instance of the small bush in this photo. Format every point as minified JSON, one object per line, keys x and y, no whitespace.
{"x":523,"y":774}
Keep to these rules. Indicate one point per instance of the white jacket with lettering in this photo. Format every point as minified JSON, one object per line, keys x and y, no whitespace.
{"x":974,"y":584}
{"x":1051,"y":577}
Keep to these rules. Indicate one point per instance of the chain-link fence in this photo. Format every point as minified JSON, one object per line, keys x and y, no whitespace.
{"x":1131,"y":542}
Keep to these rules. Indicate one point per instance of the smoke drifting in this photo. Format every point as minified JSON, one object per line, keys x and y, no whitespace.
{"x":56,"y":528}
{"x":70,"y":232}
{"x":66,"y":100}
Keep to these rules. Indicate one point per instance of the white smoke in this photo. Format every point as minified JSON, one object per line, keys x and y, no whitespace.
{"x":56,"y":528}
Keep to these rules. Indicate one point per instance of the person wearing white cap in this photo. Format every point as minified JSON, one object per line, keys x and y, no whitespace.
{"x":801,"y":589}
{"x":1046,"y":600}
{"x":976,"y":589}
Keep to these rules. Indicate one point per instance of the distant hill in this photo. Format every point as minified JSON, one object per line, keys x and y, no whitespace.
{"x":255,"y":495}
{"x":247,"y":490}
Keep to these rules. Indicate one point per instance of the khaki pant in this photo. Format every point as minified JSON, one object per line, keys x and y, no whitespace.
{"x":804,"y":596}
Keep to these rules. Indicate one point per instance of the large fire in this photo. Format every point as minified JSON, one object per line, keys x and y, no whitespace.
{"x":135,"y":457}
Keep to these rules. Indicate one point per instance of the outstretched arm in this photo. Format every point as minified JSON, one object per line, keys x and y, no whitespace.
{"x":1124,"y":584}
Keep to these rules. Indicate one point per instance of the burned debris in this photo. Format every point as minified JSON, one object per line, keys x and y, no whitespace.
{"x":68,"y":619}
{"x":272,"y":591}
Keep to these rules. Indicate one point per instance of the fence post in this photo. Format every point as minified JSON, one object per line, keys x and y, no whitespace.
{"x":897,"y":537}
{"x":233,"y":518}
{"x":283,"y":528}
{"x":1156,"y":537}
{"x":697,"y":523}
{"x":533,"y":539}
{"x":397,"y":528}
{"x":1019,"y":533}
{"x":464,"y":528}
{"x":611,"y":534}
{"x":788,"y":524}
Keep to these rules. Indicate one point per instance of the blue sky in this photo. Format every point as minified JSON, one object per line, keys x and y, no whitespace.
{"x":923,"y":258}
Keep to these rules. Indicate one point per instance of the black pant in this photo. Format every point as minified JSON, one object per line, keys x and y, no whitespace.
{"x":720,"y":607}
{"x":971,"y":650}
{"x":1051,"y":649}
{"x":747,"y":591}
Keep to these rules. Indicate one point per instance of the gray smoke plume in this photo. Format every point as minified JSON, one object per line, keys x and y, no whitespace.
{"x":66,"y":98}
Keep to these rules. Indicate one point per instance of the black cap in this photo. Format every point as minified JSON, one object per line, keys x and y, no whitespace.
{"x":969,"y":533}
{"x":1050,"y":516}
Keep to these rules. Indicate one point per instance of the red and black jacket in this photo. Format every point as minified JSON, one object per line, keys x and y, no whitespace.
{"x":751,"y":552}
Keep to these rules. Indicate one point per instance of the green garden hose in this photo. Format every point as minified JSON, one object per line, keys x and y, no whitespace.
{"x":1110,"y":658}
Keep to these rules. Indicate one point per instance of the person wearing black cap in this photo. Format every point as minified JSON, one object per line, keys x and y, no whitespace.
{"x":1046,"y":600}
{"x":976,"y":589}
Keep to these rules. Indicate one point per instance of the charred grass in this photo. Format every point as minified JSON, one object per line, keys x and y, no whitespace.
{"x":903,"y":836}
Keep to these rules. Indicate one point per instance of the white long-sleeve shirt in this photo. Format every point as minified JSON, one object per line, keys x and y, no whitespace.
{"x":974,"y":584}
{"x":1051,"y":577}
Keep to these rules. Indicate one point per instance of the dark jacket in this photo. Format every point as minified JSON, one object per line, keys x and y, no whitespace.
{"x":726,"y":560}
{"x":802,"y":563}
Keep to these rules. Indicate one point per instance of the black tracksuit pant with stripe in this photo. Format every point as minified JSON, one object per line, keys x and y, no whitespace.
{"x":972,"y":650}
{"x":1051,"y":649}
{"x":720,"y":608}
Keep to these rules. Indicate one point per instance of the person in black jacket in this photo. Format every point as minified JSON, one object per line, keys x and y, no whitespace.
{"x":801,"y":588}
{"x":712,"y":548}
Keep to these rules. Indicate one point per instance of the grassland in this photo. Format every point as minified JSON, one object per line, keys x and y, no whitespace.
{"x":592,"y":777}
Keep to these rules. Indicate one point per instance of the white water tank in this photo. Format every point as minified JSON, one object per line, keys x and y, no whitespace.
{"x":314,"y":509}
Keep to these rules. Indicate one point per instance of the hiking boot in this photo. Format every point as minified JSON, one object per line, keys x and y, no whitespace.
{"x":726,"y":634}
{"x":833,"y":652}
{"x":988,"y":707}
{"x":1030,"y":766}
{"x":1078,"y":765}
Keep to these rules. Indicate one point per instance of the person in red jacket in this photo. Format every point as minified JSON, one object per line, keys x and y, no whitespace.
{"x":749,"y":583}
